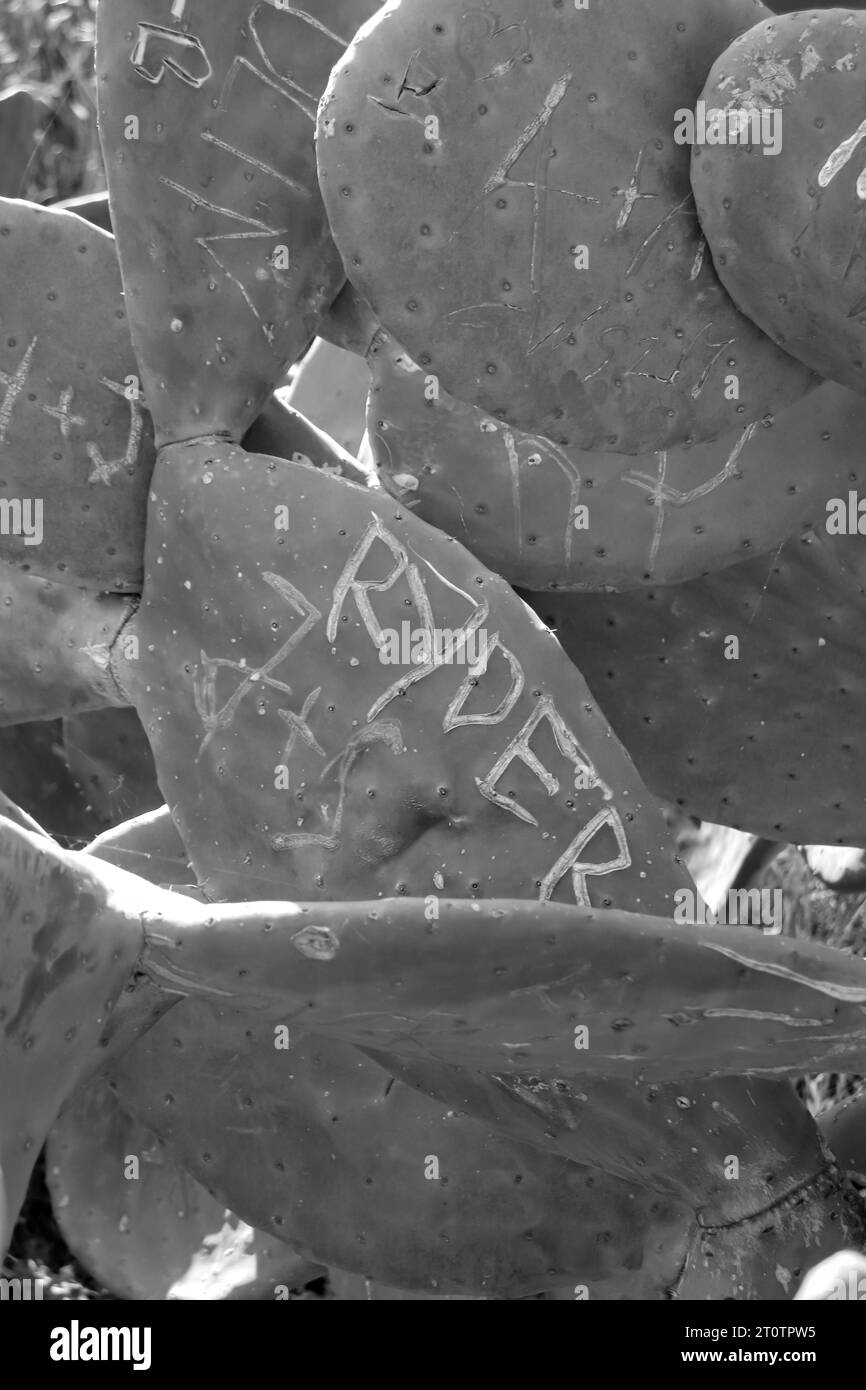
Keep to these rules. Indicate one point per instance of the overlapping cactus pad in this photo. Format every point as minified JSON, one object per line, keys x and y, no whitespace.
{"x":224,"y":243}
{"x":798,"y":273}
{"x":77,"y":445}
{"x":740,"y":695}
{"x":385,"y":962}
{"x":546,"y":517}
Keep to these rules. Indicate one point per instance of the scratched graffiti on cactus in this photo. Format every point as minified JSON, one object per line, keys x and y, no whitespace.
{"x":517,"y":747}
{"x":103,"y":470}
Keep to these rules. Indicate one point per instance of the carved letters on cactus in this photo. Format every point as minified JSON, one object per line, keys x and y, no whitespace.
{"x":491,"y":732}
{"x":506,"y":191}
{"x":546,"y":517}
{"x":206,"y":124}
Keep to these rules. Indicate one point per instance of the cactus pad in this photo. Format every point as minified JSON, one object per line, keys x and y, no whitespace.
{"x":506,"y":192}
{"x":739,"y":696}
{"x":348,"y":1164}
{"x":364,"y":775}
{"x":67,"y":950}
{"x":548,"y":517}
{"x":75,"y":442}
{"x":373,"y":973}
{"x":785,"y":227}
{"x":206,"y":126}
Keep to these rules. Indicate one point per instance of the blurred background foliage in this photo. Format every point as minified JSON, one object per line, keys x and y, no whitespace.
{"x":46,"y":47}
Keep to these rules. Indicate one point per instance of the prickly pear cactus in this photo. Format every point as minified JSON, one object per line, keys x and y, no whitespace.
{"x":381,"y":774}
{"x":783,"y":224}
{"x":404,"y":859}
{"x":560,"y":282}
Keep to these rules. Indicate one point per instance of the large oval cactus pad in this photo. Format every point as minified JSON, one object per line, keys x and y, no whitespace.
{"x":768,"y":738}
{"x":362,"y":771}
{"x":142,"y":1225}
{"x":547,"y":517}
{"x":205,"y":121}
{"x":76,"y":446}
{"x":507,"y":193}
{"x":783,"y":215}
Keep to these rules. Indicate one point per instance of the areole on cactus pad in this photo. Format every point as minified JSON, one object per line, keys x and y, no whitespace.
{"x":548,"y":517}
{"x":740,"y":695}
{"x":506,"y":191}
{"x":227,"y":259}
{"x":785,"y":225}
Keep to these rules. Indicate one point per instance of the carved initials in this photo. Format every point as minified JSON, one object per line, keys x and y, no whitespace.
{"x":519,"y":749}
{"x":158,"y":48}
{"x":581,"y":869}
